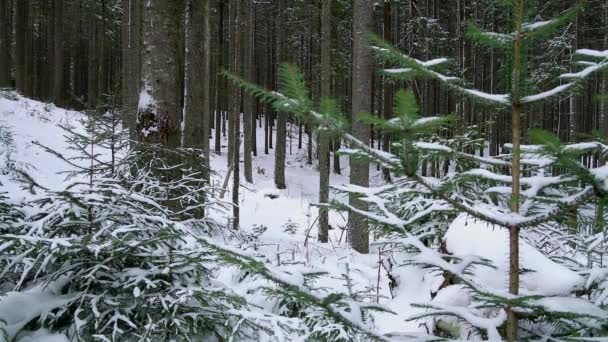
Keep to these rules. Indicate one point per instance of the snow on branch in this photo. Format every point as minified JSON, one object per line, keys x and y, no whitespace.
{"x":547,"y":94}
{"x":590,"y":66}
{"x":503,"y":99}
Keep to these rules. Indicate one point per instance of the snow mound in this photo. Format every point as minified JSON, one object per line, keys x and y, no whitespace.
{"x":541,"y":275}
{"x":17,"y":309}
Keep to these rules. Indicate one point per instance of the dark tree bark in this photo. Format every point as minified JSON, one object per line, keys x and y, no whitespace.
{"x":323,"y":135}
{"x":195,"y":75}
{"x":248,"y":112}
{"x":279,"y":162}
{"x":235,"y":9}
{"x":361,"y":103}
{"x":220,"y":82}
{"x":5,"y":30}
{"x":388,"y":89}
{"x":58,"y":40}
{"x":131,"y":60}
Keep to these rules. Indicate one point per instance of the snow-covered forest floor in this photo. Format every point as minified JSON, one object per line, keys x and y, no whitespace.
{"x":284,"y":224}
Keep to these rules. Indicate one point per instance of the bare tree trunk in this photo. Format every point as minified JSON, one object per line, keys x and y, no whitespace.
{"x":249,"y":104}
{"x":280,"y":148}
{"x":219,"y":105}
{"x":363,"y":17}
{"x":159,"y":102}
{"x":323,"y":135}
{"x":5,"y":30}
{"x":195,"y":75}
{"x":388,"y":89}
{"x":58,"y":39}
{"x":235,"y":8}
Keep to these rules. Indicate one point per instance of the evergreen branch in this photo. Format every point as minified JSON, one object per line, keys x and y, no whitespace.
{"x":546,"y":95}
{"x":540,"y":29}
{"x":490,"y":39}
{"x":250,"y":264}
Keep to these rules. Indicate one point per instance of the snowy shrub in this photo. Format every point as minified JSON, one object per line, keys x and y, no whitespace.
{"x":175,"y":177}
{"x":131,"y":270}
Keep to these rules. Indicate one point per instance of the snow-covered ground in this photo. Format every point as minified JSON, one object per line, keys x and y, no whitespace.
{"x":285,"y":223}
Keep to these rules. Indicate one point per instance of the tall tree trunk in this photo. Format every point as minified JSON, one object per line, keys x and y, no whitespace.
{"x":131,"y":61}
{"x":235,"y":8}
{"x":58,"y":39}
{"x":5,"y":30}
{"x":207,"y":117}
{"x":159,"y":101}
{"x":249,"y":104}
{"x":388,"y":89}
{"x":195,"y":75}
{"x":220,"y":82}
{"x":279,"y":161}
{"x":323,"y":135}
{"x":363,"y":16}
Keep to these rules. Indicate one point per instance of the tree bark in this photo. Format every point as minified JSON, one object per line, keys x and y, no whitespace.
{"x":159,"y":101}
{"x":512,"y":321}
{"x":248,"y":111}
{"x":280,"y":148}
{"x":195,"y":75}
{"x":363,"y":15}
{"x":388,"y":89}
{"x":5,"y":30}
{"x":235,"y":8}
{"x":131,"y":60}
{"x":58,"y":41}
{"x":323,"y":135}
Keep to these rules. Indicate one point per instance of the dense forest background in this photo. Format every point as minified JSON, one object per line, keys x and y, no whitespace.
{"x":74,"y":52}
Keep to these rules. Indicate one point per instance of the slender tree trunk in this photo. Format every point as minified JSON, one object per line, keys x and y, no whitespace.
{"x":279,"y":162}
{"x":58,"y":41}
{"x":248,"y":99}
{"x":235,"y":7}
{"x":512,"y":324}
{"x":388,"y":89}
{"x":363,"y":17}
{"x":5,"y":31}
{"x":220,"y":82}
{"x":323,"y":135}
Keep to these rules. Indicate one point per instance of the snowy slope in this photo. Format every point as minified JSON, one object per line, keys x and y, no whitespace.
{"x":24,"y":121}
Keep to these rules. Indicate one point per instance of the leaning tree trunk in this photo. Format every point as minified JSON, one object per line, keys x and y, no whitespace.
{"x":323,"y":135}
{"x":159,"y":101}
{"x":361,"y":103}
